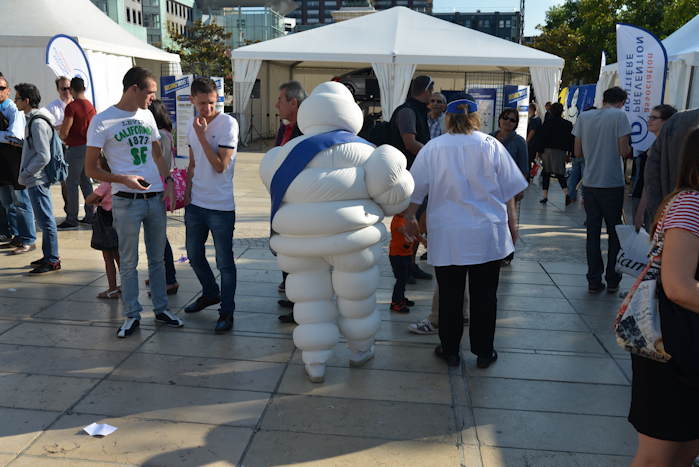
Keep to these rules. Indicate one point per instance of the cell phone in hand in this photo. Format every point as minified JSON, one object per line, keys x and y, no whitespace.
{"x":143,"y":183}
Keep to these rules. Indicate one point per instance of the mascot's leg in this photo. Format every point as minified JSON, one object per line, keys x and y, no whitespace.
{"x":355,"y":278}
{"x":309,"y":286}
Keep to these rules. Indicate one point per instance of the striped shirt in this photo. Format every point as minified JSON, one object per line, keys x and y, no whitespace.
{"x":683,"y":213}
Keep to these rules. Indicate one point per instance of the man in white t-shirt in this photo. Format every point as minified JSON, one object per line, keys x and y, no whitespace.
{"x":127,"y":135}
{"x":213,"y":138}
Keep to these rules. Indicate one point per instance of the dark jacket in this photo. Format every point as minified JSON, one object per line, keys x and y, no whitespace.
{"x":422,"y":129}
{"x":555,"y":133}
{"x":664,"y":158}
{"x":280,"y":133}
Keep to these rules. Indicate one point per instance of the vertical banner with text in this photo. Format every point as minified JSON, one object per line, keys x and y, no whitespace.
{"x":517,"y":97}
{"x":486,"y":99}
{"x":642,"y":62}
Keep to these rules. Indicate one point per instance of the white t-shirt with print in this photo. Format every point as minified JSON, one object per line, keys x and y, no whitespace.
{"x":210,"y":189}
{"x":126,"y":138}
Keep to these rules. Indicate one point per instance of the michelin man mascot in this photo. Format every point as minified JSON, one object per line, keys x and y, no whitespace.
{"x":330,"y":191}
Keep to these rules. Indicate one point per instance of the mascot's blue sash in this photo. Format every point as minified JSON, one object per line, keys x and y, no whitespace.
{"x":300,"y":156}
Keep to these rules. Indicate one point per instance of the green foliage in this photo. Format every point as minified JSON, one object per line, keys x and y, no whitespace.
{"x":205,"y":51}
{"x":579,"y":30}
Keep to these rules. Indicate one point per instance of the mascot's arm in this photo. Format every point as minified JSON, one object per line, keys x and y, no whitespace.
{"x":388,"y":182}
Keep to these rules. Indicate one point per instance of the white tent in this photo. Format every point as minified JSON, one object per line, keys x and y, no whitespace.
{"x":396,"y":42}
{"x":682,"y":47}
{"x":110,"y":49}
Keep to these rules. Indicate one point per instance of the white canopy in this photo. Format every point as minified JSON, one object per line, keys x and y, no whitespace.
{"x":111,"y":50}
{"x":682,"y":47}
{"x":395,"y":42}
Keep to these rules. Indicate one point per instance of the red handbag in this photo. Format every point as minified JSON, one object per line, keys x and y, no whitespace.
{"x":179,"y":179}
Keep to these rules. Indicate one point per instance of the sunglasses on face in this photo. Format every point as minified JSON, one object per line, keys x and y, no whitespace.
{"x":65,"y":89}
{"x":513,"y":120}
{"x":2,"y":88}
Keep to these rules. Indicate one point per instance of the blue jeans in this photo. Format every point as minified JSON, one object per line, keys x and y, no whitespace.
{"x":199,"y":222}
{"x":128,"y":215}
{"x":5,"y":223}
{"x":40,"y":196}
{"x":20,"y":215}
{"x":576,"y":173}
{"x":603,"y":204}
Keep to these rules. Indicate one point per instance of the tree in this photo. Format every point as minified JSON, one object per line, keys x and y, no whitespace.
{"x":579,"y":30}
{"x":204,"y":51}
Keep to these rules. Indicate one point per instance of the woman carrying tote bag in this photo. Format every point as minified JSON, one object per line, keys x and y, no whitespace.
{"x":665,"y":396}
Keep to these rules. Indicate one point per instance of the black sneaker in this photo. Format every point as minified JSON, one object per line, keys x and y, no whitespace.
{"x":407,"y":302}
{"x":452,"y":360}
{"x":65,"y":225}
{"x":46,"y":267}
{"x":201,"y":303}
{"x":597,"y":288}
{"x":224,"y":324}
{"x":485,"y":362}
{"x":128,"y":327}
{"x":612,"y":288}
{"x":14,"y":243}
{"x":85,"y":220}
{"x":544,"y":200}
{"x":38,"y":262}
{"x":169,"y":318}
{"x":418,"y":273}
{"x":287,"y":318}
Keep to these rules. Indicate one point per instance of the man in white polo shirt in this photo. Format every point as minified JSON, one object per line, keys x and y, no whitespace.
{"x":212,"y":137}
{"x":127,"y":135}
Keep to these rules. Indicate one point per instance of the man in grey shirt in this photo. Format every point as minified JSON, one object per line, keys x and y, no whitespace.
{"x":601,"y":137}
{"x":664,"y":157}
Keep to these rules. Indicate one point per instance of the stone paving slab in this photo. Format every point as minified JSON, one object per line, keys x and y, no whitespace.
{"x":557,"y":396}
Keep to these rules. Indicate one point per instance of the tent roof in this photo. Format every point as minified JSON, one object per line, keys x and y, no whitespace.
{"x":399,"y":35}
{"x":684,"y":43}
{"x":33,"y":22}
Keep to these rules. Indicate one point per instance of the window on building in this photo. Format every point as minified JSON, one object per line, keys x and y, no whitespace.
{"x":508,"y":23}
{"x":501,"y":24}
{"x":167,"y":6}
{"x":140,"y":18}
{"x":486,"y":23}
{"x":128,"y":15}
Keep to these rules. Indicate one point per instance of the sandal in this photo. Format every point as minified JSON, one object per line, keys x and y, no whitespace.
{"x":116,"y":293}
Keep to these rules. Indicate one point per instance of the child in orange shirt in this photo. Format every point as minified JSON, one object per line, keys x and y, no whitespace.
{"x":400,"y":253}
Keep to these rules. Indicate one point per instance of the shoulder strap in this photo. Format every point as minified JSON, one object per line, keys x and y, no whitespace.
{"x":42,"y":117}
{"x":300,"y":156}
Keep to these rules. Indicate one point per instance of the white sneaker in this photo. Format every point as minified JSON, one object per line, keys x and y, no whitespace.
{"x":128,"y":327}
{"x":358,"y":359}
{"x":166,"y":317}
{"x":424,"y":327}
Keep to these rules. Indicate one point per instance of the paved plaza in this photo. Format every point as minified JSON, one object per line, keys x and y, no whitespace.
{"x":557,"y":396}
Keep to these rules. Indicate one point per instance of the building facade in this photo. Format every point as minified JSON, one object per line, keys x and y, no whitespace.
{"x":163,"y":16}
{"x":127,"y":13}
{"x":505,"y":25}
{"x":248,"y":25}
{"x":318,"y":12}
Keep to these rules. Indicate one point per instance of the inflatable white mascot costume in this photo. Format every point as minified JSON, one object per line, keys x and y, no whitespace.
{"x":330,"y":191}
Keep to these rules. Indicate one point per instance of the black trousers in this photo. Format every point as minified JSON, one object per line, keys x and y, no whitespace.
{"x":602,"y":204}
{"x":401,"y":266}
{"x":483,"y":287}
{"x":546,"y":180}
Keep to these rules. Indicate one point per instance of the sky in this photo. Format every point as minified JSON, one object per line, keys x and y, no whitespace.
{"x":534,"y":10}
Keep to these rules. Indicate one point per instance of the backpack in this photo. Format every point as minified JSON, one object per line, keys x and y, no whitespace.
{"x":57,"y":168}
{"x":380,"y":133}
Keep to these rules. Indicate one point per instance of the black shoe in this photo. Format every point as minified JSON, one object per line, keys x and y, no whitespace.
{"x":612,"y":288}
{"x":418,"y":273}
{"x":169,"y":318}
{"x":38,"y":262}
{"x":65,"y":225}
{"x":86,"y":220}
{"x":224,"y":324}
{"x":46,"y":267}
{"x":14,"y":243}
{"x":287,"y":318}
{"x":544,"y":201}
{"x":485,"y":362}
{"x":452,"y":360}
{"x":407,"y":302}
{"x":285,"y":303}
{"x":201,"y":303}
{"x":128,"y":328}
{"x":593,"y":289}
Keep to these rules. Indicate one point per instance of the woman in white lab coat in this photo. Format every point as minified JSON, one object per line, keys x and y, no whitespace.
{"x":471,"y":181}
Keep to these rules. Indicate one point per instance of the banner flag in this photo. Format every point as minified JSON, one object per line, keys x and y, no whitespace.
{"x":642,"y":62}
{"x":486,"y":99}
{"x":66,"y":58}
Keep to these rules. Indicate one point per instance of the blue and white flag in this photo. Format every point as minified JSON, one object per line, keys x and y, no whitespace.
{"x":642,"y":62}
{"x":66,"y":58}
